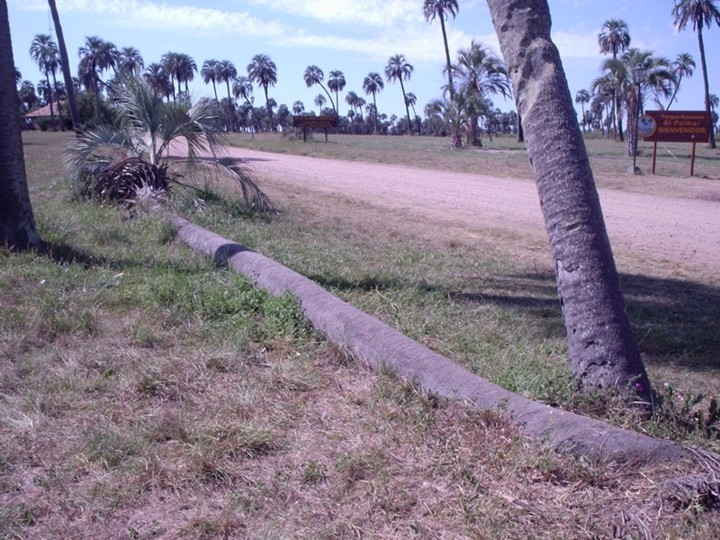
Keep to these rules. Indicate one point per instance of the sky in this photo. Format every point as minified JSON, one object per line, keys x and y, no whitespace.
{"x":354,"y":37}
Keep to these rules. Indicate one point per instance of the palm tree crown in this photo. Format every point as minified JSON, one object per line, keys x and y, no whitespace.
{"x":208,"y":72}
{"x":614,"y":37}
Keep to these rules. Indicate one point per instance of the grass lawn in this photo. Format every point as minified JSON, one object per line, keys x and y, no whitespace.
{"x":148,"y":394}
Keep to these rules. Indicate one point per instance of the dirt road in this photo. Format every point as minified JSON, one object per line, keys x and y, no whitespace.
{"x":682,"y":234}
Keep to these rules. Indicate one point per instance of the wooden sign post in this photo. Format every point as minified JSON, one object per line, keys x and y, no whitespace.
{"x":315,"y":122}
{"x":675,"y":126}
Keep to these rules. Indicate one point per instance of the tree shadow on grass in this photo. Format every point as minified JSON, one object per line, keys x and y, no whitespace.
{"x":674,"y":321}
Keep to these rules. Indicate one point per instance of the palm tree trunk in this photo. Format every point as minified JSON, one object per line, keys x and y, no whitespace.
{"x":601,"y":347}
{"x":407,"y":109}
{"x":706,"y":85}
{"x":60,"y":115}
{"x":67,"y":74}
{"x":17,"y":222}
{"x":376,"y":115}
{"x":451,"y":89}
{"x":268,"y":107}
{"x":50,"y":100}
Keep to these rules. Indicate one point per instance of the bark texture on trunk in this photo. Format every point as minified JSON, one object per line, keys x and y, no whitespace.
{"x":17,"y":223}
{"x":602,"y":349}
{"x":374,"y":343}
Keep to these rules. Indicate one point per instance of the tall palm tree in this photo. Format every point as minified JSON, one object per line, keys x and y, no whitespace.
{"x":398,"y":69}
{"x":702,"y":14}
{"x":208,"y":72}
{"x":185,"y":73}
{"x":298,"y":107}
{"x":581,"y":98}
{"x":45,"y":54}
{"x":65,"y":66}
{"x":658,"y":84}
{"x":336,"y":82}
{"x":242,"y":88}
{"x":96,"y":56}
{"x":480,"y":73}
{"x":17,"y":221}
{"x":441,"y":9}
{"x":314,"y":75}
{"x":683,"y":66}
{"x":319,"y":102}
{"x":372,"y":84}
{"x":170,"y":62}
{"x":614,"y":39}
{"x":159,"y":80}
{"x":226,"y":72}
{"x":263,"y":70}
{"x":130,"y":61}
{"x":602,"y":351}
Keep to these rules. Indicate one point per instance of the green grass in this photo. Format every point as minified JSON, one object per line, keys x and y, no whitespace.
{"x":147,"y":393}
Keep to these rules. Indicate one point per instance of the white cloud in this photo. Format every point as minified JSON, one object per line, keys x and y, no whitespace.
{"x":576,"y":45}
{"x":380,"y":13}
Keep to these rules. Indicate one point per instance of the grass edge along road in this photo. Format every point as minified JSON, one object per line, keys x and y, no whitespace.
{"x":148,"y":394}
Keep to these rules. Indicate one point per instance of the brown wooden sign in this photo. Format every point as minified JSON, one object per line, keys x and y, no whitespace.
{"x":315,"y":122}
{"x":675,"y":126}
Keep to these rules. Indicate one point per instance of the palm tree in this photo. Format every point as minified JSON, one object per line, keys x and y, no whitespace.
{"x":208,"y":72}
{"x":181,"y":68}
{"x":130,"y":61}
{"x":170,"y":62}
{"x":226,"y":72}
{"x":242,"y":88}
{"x":17,"y":221}
{"x":440,"y":9}
{"x":398,"y":69}
{"x":411,"y":100}
{"x":614,"y":39}
{"x":480,"y":73}
{"x":581,"y":98}
{"x":65,"y":65}
{"x":185,"y":73}
{"x":314,"y":75}
{"x":683,"y":66}
{"x":115,"y":160}
{"x":602,"y":351}
{"x":372,"y":84}
{"x":159,"y":80}
{"x":298,"y":107}
{"x":96,"y":56}
{"x":702,"y":13}
{"x":658,"y":84}
{"x":45,"y":54}
{"x":263,"y":70}
{"x":336,"y":82}
{"x":320,"y":102}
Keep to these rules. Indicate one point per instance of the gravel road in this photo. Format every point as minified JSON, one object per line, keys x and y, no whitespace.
{"x":680,"y":232}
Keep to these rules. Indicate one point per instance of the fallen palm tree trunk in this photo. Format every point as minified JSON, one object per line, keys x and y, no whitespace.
{"x":380,"y":346}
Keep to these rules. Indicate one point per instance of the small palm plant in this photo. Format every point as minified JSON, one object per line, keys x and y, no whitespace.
{"x":136,"y":151}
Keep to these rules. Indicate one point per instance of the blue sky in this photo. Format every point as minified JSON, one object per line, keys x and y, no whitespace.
{"x":354,"y":37}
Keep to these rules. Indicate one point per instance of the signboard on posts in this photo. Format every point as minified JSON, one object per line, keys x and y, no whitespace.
{"x":307,"y":121}
{"x":674,"y":126}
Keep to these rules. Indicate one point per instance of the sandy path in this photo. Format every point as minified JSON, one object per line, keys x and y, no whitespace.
{"x":684,"y":233}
